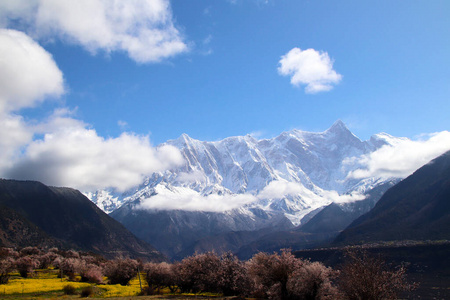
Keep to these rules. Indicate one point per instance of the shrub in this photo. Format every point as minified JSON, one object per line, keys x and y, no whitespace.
{"x":87,"y":291}
{"x":69,"y":290}
{"x":121,"y":271}
{"x":6,"y":266}
{"x":368,"y":277}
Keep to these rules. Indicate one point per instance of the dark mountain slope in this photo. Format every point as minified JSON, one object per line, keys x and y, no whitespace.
{"x":417,"y":208}
{"x":336,"y":217}
{"x":17,"y":231}
{"x":176,"y":232}
{"x":66,"y":215}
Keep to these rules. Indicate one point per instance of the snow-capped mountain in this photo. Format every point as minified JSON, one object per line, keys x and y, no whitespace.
{"x":295,"y":173}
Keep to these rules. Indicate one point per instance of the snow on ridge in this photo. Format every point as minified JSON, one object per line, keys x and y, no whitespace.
{"x":315,"y":165}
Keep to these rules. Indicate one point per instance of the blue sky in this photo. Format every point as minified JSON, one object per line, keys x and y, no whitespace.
{"x":394,"y":58}
{"x":219,"y":73}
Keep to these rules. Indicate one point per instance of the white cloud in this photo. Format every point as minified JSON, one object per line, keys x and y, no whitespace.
{"x":70,"y":154}
{"x":402,"y":158}
{"x":192,"y":177}
{"x":28,"y":73}
{"x":311,"y":68}
{"x":279,"y":189}
{"x":187,"y":199}
{"x":15,"y":134}
{"x":143,"y":29}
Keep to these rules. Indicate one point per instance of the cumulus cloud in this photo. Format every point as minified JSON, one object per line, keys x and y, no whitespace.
{"x":402,"y":158}
{"x":144,"y":29}
{"x":15,"y":134}
{"x":187,"y":199}
{"x":62,"y":150}
{"x":28,"y":73}
{"x":311,"y":68}
{"x":76,"y":156}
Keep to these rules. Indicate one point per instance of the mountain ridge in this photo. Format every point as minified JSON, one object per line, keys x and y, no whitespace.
{"x":243,"y":164}
{"x":415,"y":208}
{"x":295,"y":174}
{"x":64,"y":217}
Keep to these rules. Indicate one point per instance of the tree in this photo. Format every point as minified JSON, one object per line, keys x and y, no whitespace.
{"x":25,"y":265}
{"x":370,"y":278}
{"x":28,"y":251}
{"x":232,"y":276}
{"x":69,"y":267}
{"x":271,"y":273}
{"x":45,"y":260}
{"x":6,"y":267}
{"x":120,"y":270}
{"x":312,"y":281}
{"x":160,"y":275}
{"x":198,"y":273}
{"x":91,"y":273}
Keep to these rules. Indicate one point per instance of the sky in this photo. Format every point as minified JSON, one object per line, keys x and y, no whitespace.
{"x":79,"y":79}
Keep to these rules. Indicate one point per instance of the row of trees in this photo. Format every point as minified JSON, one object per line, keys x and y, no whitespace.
{"x":281,"y":276}
{"x":89,"y":266}
{"x":273,"y":276}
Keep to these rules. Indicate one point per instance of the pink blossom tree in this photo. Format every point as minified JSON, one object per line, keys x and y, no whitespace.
{"x":368,"y":277}
{"x":271,"y":273}
{"x":121,"y":270}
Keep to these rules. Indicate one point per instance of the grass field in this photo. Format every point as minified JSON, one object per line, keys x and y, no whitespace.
{"x":45,"y":284}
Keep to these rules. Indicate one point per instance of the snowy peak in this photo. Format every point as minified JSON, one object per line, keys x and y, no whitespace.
{"x":338,"y":125}
{"x":339,"y":129}
{"x":293,"y":173}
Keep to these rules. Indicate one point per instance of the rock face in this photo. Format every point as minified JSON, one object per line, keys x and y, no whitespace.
{"x":36,"y":214}
{"x":417,"y":208}
{"x":241,"y":184}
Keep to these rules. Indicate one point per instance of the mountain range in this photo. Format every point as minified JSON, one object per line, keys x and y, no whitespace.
{"x":242,"y":195}
{"x":245,"y":185}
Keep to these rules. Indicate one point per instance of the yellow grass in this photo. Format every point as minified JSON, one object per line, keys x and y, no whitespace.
{"x":117,"y":290}
{"x":45,"y":281}
{"x":37,"y":285}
